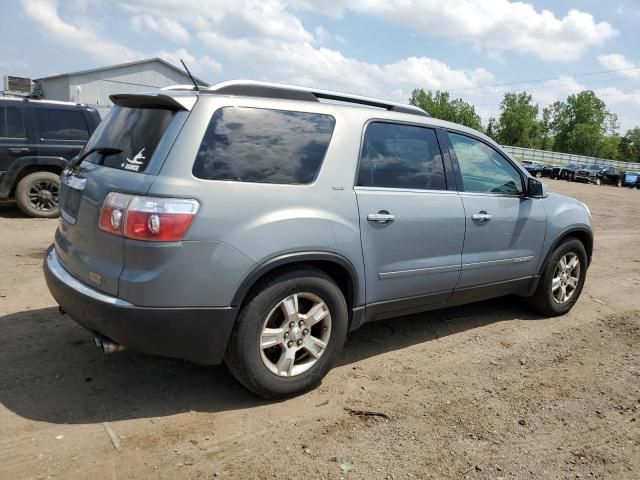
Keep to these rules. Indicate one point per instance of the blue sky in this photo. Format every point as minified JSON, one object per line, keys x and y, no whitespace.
{"x":369,"y":47}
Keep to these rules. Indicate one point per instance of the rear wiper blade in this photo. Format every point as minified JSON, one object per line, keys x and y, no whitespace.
{"x":104,"y":151}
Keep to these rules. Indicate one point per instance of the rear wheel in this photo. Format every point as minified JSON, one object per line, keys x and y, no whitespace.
{"x":562,"y":279}
{"x":619,"y":182}
{"x":538,"y":174}
{"x":37,"y":194}
{"x":598,"y":181}
{"x":289,"y":334}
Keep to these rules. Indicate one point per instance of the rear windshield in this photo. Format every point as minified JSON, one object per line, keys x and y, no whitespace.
{"x":135,"y":131}
{"x":264,"y":146}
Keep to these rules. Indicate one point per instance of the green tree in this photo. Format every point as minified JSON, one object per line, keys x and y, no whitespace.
{"x":518,"y":123}
{"x":582,"y":124}
{"x":629,"y":146}
{"x":546,"y":131}
{"x":439,"y":105}
{"x":492,"y":128}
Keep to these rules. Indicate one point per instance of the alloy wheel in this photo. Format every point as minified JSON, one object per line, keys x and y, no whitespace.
{"x":565,"y":278}
{"x":295,"y":334}
{"x":44,"y":195}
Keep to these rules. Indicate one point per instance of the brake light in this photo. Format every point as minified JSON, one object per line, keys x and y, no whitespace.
{"x":147,"y":218}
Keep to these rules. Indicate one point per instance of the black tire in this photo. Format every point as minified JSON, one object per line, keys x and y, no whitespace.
{"x":542,"y":300}
{"x":598,"y":181}
{"x":43,"y":204}
{"x":619,"y":183}
{"x":243,"y":356}
{"x":538,"y":174}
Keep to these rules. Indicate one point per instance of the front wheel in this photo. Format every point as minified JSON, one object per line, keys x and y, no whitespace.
{"x":538,"y":174}
{"x":562,"y":279}
{"x":598,"y":181}
{"x":289,"y":334}
{"x":619,"y":182}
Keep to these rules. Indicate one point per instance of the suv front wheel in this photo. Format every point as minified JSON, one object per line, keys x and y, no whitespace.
{"x":562,"y":279}
{"x":289,"y":334}
{"x":37,"y":194}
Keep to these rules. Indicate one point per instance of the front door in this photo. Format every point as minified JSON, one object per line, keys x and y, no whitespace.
{"x":412,"y":226}
{"x":505,"y":230}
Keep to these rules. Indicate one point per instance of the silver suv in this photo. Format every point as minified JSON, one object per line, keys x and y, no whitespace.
{"x":257,"y":224}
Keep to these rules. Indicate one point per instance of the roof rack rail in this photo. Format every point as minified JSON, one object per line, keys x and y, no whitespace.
{"x":290,"y":92}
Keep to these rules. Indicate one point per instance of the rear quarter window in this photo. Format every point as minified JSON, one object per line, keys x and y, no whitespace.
{"x":61,"y":124}
{"x":264,"y":146}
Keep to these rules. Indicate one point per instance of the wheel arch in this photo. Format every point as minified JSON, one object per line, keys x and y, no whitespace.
{"x":338,"y":267}
{"x":582,"y":234}
{"x":25,"y":166}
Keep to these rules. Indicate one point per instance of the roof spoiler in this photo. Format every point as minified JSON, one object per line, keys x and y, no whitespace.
{"x":154,"y":100}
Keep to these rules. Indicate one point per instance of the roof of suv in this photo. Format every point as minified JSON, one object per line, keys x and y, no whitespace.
{"x":43,"y":102}
{"x":185,"y":96}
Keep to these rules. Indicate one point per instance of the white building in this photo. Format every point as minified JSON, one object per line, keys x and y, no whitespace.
{"x":94,"y":86}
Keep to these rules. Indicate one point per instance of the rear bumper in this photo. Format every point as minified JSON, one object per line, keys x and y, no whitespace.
{"x":196,"y":334}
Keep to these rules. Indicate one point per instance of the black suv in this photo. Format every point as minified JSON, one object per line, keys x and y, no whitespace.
{"x":37,"y":139}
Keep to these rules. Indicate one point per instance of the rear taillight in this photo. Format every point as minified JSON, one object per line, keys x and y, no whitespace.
{"x":154,"y":219}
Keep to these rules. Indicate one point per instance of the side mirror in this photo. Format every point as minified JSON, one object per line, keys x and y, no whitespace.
{"x":536,"y":189}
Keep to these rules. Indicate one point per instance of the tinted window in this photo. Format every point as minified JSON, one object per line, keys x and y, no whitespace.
{"x":265,"y":146}
{"x":401,"y":156}
{"x":483,"y":169}
{"x":61,"y":124}
{"x":136,"y":131}
{"x":12,"y":123}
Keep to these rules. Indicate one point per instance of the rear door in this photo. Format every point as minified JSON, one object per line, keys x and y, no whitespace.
{"x":144,"y":135}
{"x":16,"y":139}
{"x":505,"y":230}
{"x":412,"y":225}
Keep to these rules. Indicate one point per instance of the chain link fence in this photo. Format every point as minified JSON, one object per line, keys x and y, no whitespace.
{"x":545,"y":156}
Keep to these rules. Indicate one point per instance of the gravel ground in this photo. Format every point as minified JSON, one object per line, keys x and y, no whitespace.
{"x":488,"y":390}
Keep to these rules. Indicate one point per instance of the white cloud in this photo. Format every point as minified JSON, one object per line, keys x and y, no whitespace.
{"x":304,"y":64}
{"x":167,"y":27}
{"x":616,"y":61}
{"x":492,"y":25}
{"x":44,"y":14}
{"x":202,"y":65}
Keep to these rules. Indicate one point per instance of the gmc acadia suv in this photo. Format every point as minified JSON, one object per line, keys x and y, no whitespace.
{"x":257,"y":224}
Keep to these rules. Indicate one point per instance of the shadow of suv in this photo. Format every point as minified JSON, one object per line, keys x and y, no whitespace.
{"x":37,"y":139}
{"x":256,"y":224}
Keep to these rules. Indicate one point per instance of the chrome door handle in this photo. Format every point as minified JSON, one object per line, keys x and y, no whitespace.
{"x":481,"y":217}
{"x":381,"y":217}
{"x":19,"y":149}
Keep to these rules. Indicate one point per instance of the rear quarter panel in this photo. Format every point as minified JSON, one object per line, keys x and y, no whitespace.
{"x":262,"y":221}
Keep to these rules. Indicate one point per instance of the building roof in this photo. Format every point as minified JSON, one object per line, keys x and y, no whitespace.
{"x":110,"y":67}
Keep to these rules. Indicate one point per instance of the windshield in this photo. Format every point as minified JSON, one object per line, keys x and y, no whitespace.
{"x":135,"y":131}
{"x":594,"y":167}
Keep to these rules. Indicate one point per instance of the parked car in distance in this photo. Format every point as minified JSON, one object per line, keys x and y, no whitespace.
{"x":632,"y":179}
{"x":590,"y":174}
{"x":256,"y":224}
{"x":538,"y":170}
{"x":611,"y":176}
{"x":37,"y":139}
{"x":564,"y":172}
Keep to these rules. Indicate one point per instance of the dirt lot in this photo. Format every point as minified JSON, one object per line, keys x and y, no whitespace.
{"x":488,"y":390}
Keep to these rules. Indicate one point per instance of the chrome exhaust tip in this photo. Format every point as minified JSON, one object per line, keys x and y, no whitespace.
{"x":107,"y":345}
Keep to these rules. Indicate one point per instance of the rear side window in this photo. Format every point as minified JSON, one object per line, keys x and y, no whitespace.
{"x":12,"y":123}
{"x":401,"y":156}
{"x":135,"y":131}
{"x":264,"y":146}
{"x":61,"y":124}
